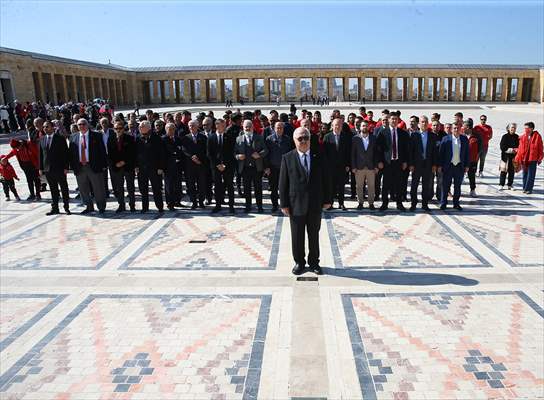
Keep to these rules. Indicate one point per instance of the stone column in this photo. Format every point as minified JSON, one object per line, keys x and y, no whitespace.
{"x":84,"y":89}
{"x":235,"y":89}
{"x":220,"y":88}
{"x":474,"y":88}
{"x":41,"y":92}
{"x":345,"y":88}
{"x":283,"y":89}
{"x":176,"y":88}
{"x":376,"y":90}
{"x":392,"y":86}
{"x":425,"y":88}
{"x":91,"y":88}
{"x":314,"y":87}
{"x":458,"y":94}
{"x":488,"y":91}
{"x":505,"y":91}
{"x":535,"y":90}
{"x":443,"y":82}
{"x":251,"y":90}
{"x":330,"y":87}
{"x":204,"y":90}
{"x":410,"y":89}
{"x":296,"y":81}
{"x":360,"y":88}
{"x":266,"y":89}
{"x":64,"y":89}
{"x":186,"y":91}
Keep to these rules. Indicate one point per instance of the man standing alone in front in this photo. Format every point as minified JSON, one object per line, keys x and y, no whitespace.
{"x":304,"y":192}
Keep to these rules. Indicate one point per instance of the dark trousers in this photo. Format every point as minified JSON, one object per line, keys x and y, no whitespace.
{"x":310,"y":223}
{"x":378,"y":183}
{"x":509,"y":171}
{"x":353,"y":184}
{"x":403,"y":188}
{"x":106,"y":190}
{"x":209,"y":184}
{"x":529,"y":174}
{"x":87,"y":181}
{"x":57,"y":179}
{"x":273,"y":180}
{"x":196,"y":181}
{"x":338,"y":184}
{"x":7,"y":185}
{"x":144,"y":178}
{"x":222,"y":181}
{"x":392,"y":179}
{"x":438,"y":190}
{"x":425,"y":175}
{"x":449,"y":174}
{"x":253,"y":178}
{"x":118,"y":179}
{"x":172,"y":188}
{"x":472,"y":174}
{"x":32,"y":177}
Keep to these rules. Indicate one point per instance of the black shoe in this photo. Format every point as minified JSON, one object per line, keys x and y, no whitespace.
{"x":53,"y":212}
{"x":216,"y":209}
{"x":353,"y":197}
{"x":458,"y":207}
{"x":247,"y":210}
{"x":120,"y":209}
{"x":316,"y":269}
{"x":67,"y":211}
{"x":88,"y":210}
{"x":443,"y":207}
{"x":260,"y":210}
{"x":201,"y":205}
{"x":330,"y":208}
{"x":31,"y":197}
{"x":7,"y":198}
{"x":194,"y":206}
{"x":360,"y":206}
{"x":43,"y":187}
{"x":274,"y":209}
{"x":343,"y":207}
{"x":143,"y":211}
{"x":178,"y":204}
{"x":102,"y":211}
{"x":371,"y":207}
{"x":231,"y":210}
{"x":401,"y":207}
{"x":160,"y":210}
{"x":384,"y":207}
{"x":38,"y":197}
{"x":208,"y":202}
{"x":413,"y":207}
{"x":171,"y":207}
{"x":132,"y":209}
{"x":425,"y":207}
{"x":298,"y":269}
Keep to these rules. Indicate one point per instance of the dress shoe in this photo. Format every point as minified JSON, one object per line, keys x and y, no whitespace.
{"x":201,"y":205}
{"x":132,"y":209}
{"x":32,"y":197}
{"x":231,"y":210}
{"x":43,"y":187}
{"x":67,"y":211}
{"x":353,"y":197}
{"x":401,"y":207}
{"x":360,"y":206}
{"x":274,"y":209}
{"x":371,"y":207}
{"x":298,"y":269}
{"x":38,"y":197}
{"x":7,"y":198}
{"x":443,"y":207}
{"x":120,"y":209}
{"x":160,"y":211}
{"x":88,"y":210}
{"x":216,"y":209}
{"x":260,"y":210}
{"x":208,"y":202}
{"x":384,"y":207}
{"x":143,"y":210}
{"x":343,"y":207}
{"x":316,"y":269}
{"x":17,"y":198}
{"x":194,"y":206}
{"x":53,"y":212}
{"x":425,"y":207}
{"x":413,"y":207}
{"x":247,"y":210}
{"x":330,"y":208}
{"x":458,"y":207}
{"x":102,"y":211}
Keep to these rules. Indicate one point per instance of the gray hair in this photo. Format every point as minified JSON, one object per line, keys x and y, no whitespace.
{"x":510,"y":125}
{"x":193,"y":122}
{"x":169,"y":125}
{"x":145,"y":123}
{"x":301,"y":131}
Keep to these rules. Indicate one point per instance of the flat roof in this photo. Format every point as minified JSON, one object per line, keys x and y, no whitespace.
{"x":204,"y":68}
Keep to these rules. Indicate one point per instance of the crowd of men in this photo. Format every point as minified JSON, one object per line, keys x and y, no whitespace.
{"x":215,"y":158}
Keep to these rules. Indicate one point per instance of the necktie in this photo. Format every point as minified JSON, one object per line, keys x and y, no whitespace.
{"x":119,"y":143}
{"x":336,"y":140}
{"x":83,"y":151}
{"x":48,"y":142}
{"x":220,"y":141}
{"x":305,"y":161}
{"x":194,"y":138}
{"x":394,"y":156}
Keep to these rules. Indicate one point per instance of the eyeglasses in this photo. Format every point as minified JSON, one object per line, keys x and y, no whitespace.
{"x":82,"y":124}
{"x":304,"y":138}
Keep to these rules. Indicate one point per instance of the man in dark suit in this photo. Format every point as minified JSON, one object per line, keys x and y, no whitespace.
{"x":251,"y":151}
{"x":150,"y":163}
{"x":454,"y":162}
{"x":222,"y":164}
{"x":277,"y":144}
{"x":423,"y":163}
{"x":106,"y":132}
{"x":196,"y":163}
{"x":377,"y":132}
{"x":54,"y":162}
{"x":304,"y":191}
{"x":121,"y":156}
{"x":395,"y":147}
{"x":412,"y":131}
{"x":88,"y":160}
{"x":337,"y":148}
{"x":174,"y":157}
{"x":364,"y":162}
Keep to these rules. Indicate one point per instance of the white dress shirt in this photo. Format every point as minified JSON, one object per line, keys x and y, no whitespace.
{"x":308,"y":159}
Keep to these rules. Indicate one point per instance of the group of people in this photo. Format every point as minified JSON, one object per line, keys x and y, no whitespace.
{"x":211,"y":157}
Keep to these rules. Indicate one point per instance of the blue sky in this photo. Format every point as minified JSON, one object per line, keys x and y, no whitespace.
{"x":166,"y":33}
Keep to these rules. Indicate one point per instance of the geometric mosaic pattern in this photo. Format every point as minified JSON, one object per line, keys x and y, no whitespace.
{"x":219,"y":243}
{"x":157,"y":346}
{"x":387,"y":241}
{"x":19,"y":312}
{"x":446,"y":345}
{"x":80,"y":242}
{"x":517,"y":238}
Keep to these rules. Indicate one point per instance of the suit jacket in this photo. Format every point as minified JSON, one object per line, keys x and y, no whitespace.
{"x":258,"y":146}
{"x":97,"y":152}
{"x":127,"y":153}
{"x":150,"y":154}
{"x":301,"y":193}
{"x":338,"y":158}
{"x":221,"y":155}
{"x":431,"y":152}
{"x":173,"y":152}
{"x":191,"y":148}
{"x":383,"y":134}
{"x":446,"y":151}
{"x":361,"y":158}
{"x":56,"y":158}
{"x":277,"y":148}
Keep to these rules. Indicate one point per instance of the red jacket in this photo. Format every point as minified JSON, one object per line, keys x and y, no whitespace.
{"x":529,"y":150}
{"x":474,"y":147}
{"x":23,"y":153}
{"x":486,"y":132}
{"x":257,"y":127}
{"x":7,"y":171}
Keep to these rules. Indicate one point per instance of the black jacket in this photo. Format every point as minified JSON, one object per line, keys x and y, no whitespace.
{"x":173,"y":152}
{"x":431,"y":153}
{"x":98,"y":160}
{"x":56,"y":158}
{"x":508,"y":141}
{"x":300,"y":193}
{"x":127,"y":153}
{"x":150,"y":154}
{"x":361,"y":158}
{"x":383,"y":134}
{"x":191,"y":148}
{"x":338,"y":158}
{"x":218,"y":155}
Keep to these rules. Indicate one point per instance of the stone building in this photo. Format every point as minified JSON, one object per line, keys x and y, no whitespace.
{"x":28,"y":76}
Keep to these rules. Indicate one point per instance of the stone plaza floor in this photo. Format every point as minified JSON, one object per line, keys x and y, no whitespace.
{"x":187,"y":305}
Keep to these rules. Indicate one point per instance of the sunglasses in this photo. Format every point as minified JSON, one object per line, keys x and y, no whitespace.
{"x":304,"y":138}
{"x":119,"y":129}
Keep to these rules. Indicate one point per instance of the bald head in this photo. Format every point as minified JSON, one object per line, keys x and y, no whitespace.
{"x":301,"y":136}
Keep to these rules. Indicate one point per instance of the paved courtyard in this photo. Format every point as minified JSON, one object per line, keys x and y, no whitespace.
{"x":193,"y":306}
